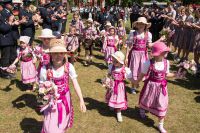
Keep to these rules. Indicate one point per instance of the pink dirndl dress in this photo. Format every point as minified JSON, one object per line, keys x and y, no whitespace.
{"x":60,"y":116}
{"x":154,"y":95}
{"x":44,"y":58}
{"x":137,"y":55}
{"x":28,"y":69}
{"x":109,"y":48}
{"x":116,"y":96}
{"x":121,"y":32}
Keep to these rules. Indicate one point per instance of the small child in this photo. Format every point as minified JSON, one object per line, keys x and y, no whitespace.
{"x":121,"y":32}
{"x":154,"y":95}
{"x":72,"y":43}
{"x":137,"y":51}
{"x":89,"y":34}
{"x":60,"y":115}
{"x":116,"y":94}
{"x":110,"y":45}
{"x":28,"y":60}
{"x":41,"y":49}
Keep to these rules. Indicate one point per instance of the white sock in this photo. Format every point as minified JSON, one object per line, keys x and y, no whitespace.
{"x":161,"y":128}
{"x":119,"y":117}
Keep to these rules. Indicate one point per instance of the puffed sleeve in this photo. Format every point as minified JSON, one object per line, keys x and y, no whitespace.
{"x":128,"y":74}
{"x":168,"y":67}
{"x":145,"y":67}
{"x":149,"y":40}
{"x":43,"y":74}
{"x":72,"y":72}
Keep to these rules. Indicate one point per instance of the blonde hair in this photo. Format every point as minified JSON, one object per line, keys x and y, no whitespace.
{"x":32,"y":9}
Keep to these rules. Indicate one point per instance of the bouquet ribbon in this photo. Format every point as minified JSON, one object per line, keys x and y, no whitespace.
{"x":59,"y":105}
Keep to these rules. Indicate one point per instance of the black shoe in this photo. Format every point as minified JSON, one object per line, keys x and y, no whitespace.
{"x":12,"y":75}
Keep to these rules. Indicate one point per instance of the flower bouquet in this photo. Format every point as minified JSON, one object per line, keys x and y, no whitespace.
{"x":107,"y":82}
{"x":11,"y":69}
{"x":47,"y":95}
{"x":167,"y":33}
{"x":186,"y":67}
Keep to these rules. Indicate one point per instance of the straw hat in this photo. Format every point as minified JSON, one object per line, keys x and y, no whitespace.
{"x":17,"y":1}
{"x":57,"y":46}
{"x":24,"y":39}
{"x":142,"y":20}
{"x":119,"y":56}
{"x":89,"y":20}
{"x":108,"y":24}
{"x":46,"y":33}
{"x":158,"y":48}
{"x":32,"y":8}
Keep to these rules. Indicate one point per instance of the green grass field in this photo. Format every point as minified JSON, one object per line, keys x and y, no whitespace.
{"x":18,"y":114}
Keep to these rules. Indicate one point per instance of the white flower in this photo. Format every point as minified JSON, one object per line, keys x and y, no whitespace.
{"x":41,"y":90}
{"x":193,"y":68}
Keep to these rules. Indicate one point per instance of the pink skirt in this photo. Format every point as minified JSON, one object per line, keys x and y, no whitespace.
{"x":108,"y":52}
{"x":50,"y":124}
{"x":136,"y":60}
{"x":28,"y":72}
{"x":119,"y":100}
{"x":153,"y":100}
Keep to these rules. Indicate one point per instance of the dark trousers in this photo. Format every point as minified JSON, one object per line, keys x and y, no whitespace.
{"x":8,"y":55}
{"x":88,"y":47}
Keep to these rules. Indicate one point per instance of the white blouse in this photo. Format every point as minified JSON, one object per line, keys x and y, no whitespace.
{"x":57,"y":74}
{"x":158,"y":66}
{"x":128,"y":74}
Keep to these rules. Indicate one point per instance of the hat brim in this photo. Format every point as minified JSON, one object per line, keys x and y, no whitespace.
{"x":89,"y":21}
{"x":46,"y":36}
{"x":158,"y":53}
{"x":148,"y":25}
{"x":121,"y":62}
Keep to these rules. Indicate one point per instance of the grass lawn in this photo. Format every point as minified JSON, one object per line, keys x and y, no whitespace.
{"x":18,"y":114}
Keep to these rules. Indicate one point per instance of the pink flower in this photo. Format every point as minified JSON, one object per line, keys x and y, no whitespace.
{"x":47,"y":84}
{"x":49,"y":74}
{"x":186,"y":65}
{"x":47,"y":97}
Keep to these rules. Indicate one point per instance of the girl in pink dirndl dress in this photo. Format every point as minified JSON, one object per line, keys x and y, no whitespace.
{"x":121,"y":32}
{"x":59,"y":116}
{"x":110,"y":45}
{"x":137,"y":49}
{"x":42,"y":49}
{"x":154,"y":95}
{"x":116,"y":95}
{"x":27,"y":62}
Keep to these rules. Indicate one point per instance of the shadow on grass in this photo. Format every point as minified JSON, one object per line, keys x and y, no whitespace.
{"x":100,"y":57}
{"x":197,"y":98}
{"x":31,"y":125}
{"x":190,"y":83}
{"x":98,"y":65}
{"x":18,"y":83}
{"x":101,"y":107}
{"x":26,"y":100}
{"x":103,"y":110}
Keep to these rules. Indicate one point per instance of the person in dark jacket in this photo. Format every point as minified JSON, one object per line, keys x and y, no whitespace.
{"x":6,"y":38}
{"x":45,"y":15}
{"x":27,"y":25}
